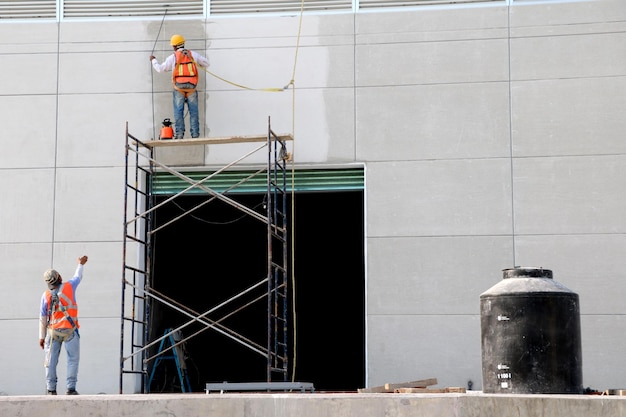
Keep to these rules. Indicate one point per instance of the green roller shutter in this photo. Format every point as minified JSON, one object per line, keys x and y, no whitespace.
{"x":351,"y":179}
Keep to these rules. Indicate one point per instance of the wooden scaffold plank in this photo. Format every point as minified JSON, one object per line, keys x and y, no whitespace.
{"x":213,"y":141}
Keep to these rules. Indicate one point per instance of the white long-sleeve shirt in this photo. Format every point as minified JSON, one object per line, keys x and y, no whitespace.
{"x":170,"y":62}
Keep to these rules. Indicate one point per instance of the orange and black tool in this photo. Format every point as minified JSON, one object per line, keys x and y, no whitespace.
{"x":166,"y":131}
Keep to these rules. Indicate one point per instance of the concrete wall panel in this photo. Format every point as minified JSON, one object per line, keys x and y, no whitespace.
{"x":404,"y":63}
{"x":566,"y":17}
{"x":433,"y":24}
{"x":569,"y":117}
{"x":247,"y":112}
{"x":100,"y":292}
{"x":24,"y":37}
{"x":324,"y":120}
{"x":24,"y":371}
{"x":455,"y":360}
{"x":36,"y":74}
{"x":283,"y":30}
{"x":266,"y":53}
{"x":597,"y":55}
{"x":433,"y":122}
{"x":26,"y":212}
{"x":115,"y":35}
{"x":439,"y":198}
{"x":569,"y":195}
{"x":97,"y":137}
{"x":97,"y":73}
{"x":599,"y":280}
{"x":433,"y":275}
{"x":567,"y":40}
{"x":273,"y":67}
{"x":22,"y":265}
{"x":338,"y":126}
{"x":99,"y":369}
{"x":35,"y":138}
{"x":89,"y":205}
{"x":430,"y":47}
{"x":603,"y":345}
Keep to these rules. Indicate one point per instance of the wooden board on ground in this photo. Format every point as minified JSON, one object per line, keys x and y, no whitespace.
{"x":422,"y":383}
{"x":430,"y":390}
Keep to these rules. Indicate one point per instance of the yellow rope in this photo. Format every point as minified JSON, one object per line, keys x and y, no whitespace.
{"x":270,"y":90}
{"x":293,"y":191}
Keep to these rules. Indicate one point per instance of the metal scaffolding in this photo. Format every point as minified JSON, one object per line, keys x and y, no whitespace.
{"x":138,"y":293}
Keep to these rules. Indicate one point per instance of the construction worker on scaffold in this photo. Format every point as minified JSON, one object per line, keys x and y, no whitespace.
{"x":184,"y":66}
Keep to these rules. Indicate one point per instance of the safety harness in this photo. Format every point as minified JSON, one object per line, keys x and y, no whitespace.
{"x":55,"y":304}
{"x":185,"y":73}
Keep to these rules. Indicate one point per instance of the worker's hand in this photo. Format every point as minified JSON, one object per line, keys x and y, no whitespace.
{"x":41,"y":342}
{"x":152,"y":57}
{"x":83,"y":260}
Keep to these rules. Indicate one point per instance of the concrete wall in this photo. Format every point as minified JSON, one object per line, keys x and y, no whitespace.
{"x":491,"y":137}
{"x":441,"y":177}
{"x":501,"y":144}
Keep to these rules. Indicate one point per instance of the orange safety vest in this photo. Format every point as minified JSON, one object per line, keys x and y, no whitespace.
{"x":185,"y":70}
{"x":67,"y":300}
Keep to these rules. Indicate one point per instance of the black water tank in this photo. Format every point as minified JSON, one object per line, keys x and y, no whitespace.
{"x":530,"y":332}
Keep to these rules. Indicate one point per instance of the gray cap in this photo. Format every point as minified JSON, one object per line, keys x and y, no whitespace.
{"x":51,"y":277}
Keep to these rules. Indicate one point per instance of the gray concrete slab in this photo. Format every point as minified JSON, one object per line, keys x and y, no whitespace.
{"x":472,"y":404}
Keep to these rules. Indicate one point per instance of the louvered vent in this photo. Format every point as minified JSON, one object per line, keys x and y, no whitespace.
{"x":105,"y":8}
{"x":28,"y":9}
{"x":276,"y":6}
{"x":46,"y":9}
{"x":370,"y":4}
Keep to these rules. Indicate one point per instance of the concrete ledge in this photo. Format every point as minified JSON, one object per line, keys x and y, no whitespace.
{"x":314,"y":405}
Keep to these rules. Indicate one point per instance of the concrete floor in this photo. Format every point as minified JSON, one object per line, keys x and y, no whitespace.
{"x":471,"y":404}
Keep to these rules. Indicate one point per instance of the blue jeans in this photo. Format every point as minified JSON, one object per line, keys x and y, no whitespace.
{"x":52,"y":350}
{"x":179,"y":114}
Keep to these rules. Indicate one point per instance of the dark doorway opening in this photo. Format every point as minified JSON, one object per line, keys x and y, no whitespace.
{"x":216,"y":251}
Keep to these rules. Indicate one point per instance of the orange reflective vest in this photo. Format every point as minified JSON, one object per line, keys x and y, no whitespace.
{"x":58,"y":319}
{"x":185,"y":70}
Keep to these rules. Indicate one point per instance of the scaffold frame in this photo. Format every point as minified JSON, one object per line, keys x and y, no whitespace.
{"x":138,"y":295}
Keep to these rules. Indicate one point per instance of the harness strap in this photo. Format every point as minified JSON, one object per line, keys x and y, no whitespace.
{"x":190,"y":65}
{"x":62,"y":308}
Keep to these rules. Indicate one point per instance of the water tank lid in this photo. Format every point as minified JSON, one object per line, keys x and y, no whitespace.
{"x":526,"y":272}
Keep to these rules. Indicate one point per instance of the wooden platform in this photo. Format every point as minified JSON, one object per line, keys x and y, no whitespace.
{"x":213,"y":141}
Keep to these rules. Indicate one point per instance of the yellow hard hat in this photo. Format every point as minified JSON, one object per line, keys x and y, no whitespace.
{"x":177,"y":40}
